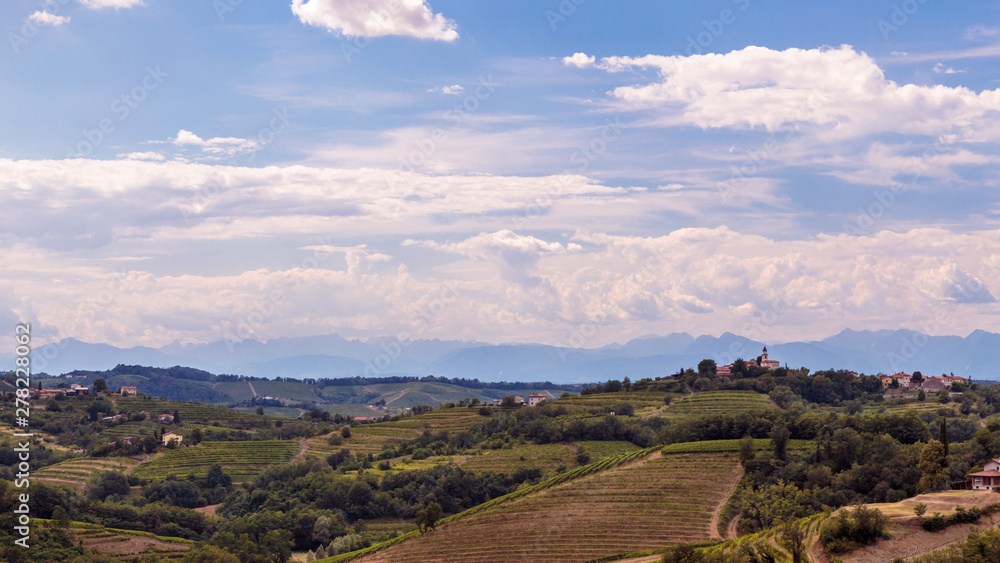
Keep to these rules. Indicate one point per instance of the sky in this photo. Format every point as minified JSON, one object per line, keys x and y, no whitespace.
{"x":569,"y":172}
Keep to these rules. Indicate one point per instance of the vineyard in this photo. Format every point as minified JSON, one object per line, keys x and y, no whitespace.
{"x":240,"y":460}
{"x":719,"y":402}
{"x":653,"y":503}
{"x":729,"y":446}
{"x":128,"y":545}
{"x":373,"y":438}
{"x":80,"y":469}
{"x":189,"y":412}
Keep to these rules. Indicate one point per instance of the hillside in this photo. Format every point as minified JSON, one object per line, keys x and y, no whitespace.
{"x":656,"y":501}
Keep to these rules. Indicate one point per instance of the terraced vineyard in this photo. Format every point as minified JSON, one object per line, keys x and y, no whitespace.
{"x":658,"y":501}
{"x":729,"y":446}
{"x":546,"y":457}
{"x":640,"y":399}
{"x":79,"y":470}
{"x":719,"y":402}
{"x":372,"y":438}
{"x":189,"y":412}
{"x":240,"y":460}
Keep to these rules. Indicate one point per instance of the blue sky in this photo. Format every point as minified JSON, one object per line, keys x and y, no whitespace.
{"x":193,"y":171}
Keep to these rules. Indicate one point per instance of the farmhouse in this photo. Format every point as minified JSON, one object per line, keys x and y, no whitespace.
{"x":989,"y":478}
{"x":171,"y":437}
{"x":166,"y":418}
{"x":129,"y":390}
{"x":535,"y":398}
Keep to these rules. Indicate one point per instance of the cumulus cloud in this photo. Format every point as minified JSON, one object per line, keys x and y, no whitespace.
{"x":939,"y":68}
{"x":840,"y":89}
{"x":46,"y":18}
{"x":579,"y":60}
{"x":217,"y":146}
{"x":116,"y":4}
{"x":516,"y":254}
{"x":376,"y":18}
{"x":149,"y":155}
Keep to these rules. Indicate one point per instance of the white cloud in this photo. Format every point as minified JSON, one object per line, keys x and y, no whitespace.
{"x":842,"y":90}
{"x":46,"y":18}
{"x":376,"y":18}
{"x":217,"y":146}
{"x":579,"y":60}
{"x":980,"y":30}
{"x":116,"y":4}
{"x":454,"y":90}
{"x":142,"y":156}
{"x":939,"y":68}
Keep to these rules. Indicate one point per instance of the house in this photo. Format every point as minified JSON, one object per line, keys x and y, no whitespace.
{"x":933,"y":384}
{"x":520,"y":400}
{"x":171,"y":437}
{"x":904,"y":379}
{"x":886,"y":380}
{"x":989,"y":478}
{"x":115,"y":418}
{"x":724,"y":371}
{"x":166,"y":418}
{"x":535,"y":398}
{"x":129,"y":390}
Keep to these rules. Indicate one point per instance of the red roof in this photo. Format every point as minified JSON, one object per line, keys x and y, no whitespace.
{"x":990,"y":473}
{"x":536,"y":395}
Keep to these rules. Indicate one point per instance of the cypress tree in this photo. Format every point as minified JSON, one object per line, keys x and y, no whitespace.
{"x":943,"y":435}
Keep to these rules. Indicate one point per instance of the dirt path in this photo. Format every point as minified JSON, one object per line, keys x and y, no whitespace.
{"x":731,"y":533}
{"x":714,"y":531}
{"x":145,"y":458}
{"x":252,"y":390}
{"x":303,"y":448}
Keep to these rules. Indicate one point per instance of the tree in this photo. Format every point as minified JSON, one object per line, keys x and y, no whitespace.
{"x":739,"y":368}
{"x":921,"y":396}
{"x":943,"y":435}
{"x":612,"y":386}
{"x":197,"y":436}
{"x":707,"y":368}
{"x":345,"y":432}
{"x":747,"y":450}
{"x":779,"y":441}
{"x":428,"y":517}
{"x":259,"y":411}
{"x":177,"y":417}
{"x":933,"y":463}
{"x":508,"y":402}
{"x":100,"y":386}
{"x":322,"y":530}
{"x":794,"y":539}
{"x":626,"y":384}
{"x":209,"y":554}
{"x":917,"y":377}
{"x":920,"y":509}
{"x":107,"y":483}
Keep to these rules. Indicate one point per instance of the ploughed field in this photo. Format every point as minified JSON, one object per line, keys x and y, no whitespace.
{"x":655,"y":502}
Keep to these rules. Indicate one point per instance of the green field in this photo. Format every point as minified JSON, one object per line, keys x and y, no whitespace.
{"x":190,"y":412}
{"x":241,"y":460}
{"x":730,"y":446}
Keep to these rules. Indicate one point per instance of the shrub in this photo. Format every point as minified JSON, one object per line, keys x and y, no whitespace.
{"x":851,"y":529}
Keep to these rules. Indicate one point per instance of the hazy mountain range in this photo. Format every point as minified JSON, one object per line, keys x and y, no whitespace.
{"x":887,"y":351}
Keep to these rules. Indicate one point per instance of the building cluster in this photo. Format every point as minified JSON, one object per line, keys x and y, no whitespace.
{"x":531,"y":401}
{"x":71,"y":391}
{"x":932,"y":384}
